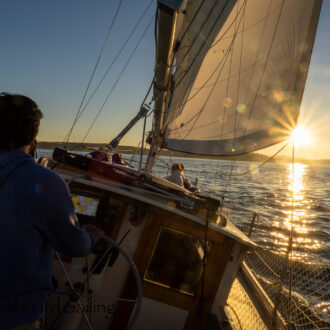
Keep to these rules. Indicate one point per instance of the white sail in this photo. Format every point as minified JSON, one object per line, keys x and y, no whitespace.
{"x":240,"y":73}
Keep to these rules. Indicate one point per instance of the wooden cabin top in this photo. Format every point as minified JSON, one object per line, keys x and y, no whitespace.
{"x":163,"y":202}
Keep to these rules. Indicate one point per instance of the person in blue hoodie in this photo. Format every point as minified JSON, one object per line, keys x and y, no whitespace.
{"x":36,"y":216}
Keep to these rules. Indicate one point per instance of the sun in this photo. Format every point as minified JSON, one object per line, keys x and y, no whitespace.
{"x":301,"y":136}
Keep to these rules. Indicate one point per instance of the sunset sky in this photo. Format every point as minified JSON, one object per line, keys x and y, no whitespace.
{"x":49,"y":49}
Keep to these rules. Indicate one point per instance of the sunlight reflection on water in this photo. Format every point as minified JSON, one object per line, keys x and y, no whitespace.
{"x":295,"y":207}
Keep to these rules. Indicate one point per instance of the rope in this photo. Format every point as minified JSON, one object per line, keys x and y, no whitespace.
{"x":262,"y":164}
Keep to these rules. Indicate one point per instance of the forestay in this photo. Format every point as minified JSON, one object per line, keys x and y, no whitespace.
{"x":240,"y":73}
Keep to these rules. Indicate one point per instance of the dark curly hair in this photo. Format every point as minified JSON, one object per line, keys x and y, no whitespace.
{"x":19,"y":121}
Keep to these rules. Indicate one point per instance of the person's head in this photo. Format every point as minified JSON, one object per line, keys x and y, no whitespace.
{"x":19,"y":121}
{"x":176,"y":167}
{"x":100,"y":155}
{"x":117,"y":158}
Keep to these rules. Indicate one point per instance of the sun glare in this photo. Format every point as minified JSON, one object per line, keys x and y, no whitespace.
{"x":301,"y":136}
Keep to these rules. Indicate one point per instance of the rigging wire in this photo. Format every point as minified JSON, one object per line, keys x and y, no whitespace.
{"x":115,"y":59}
{"x":257,"y":55}
{"x":155,"y":35}
{"x":250,"y":113}
{"x":258,"y":60}
{"x":288,"y":255}
{"x":291,"y":231}
{"x":192,"y":21}
{"x":191,"y":45}
{"x":204,"y":42}
{"x":134,"y":153}
{"x":230,"y":175}
{"x":260,"y":165}
{"x":197,"y":35}
{"x":228,"y":183}
{"x":188,"y":27}
{"x":227,"y":91}
{"x":223,"y":174}
{"x":264,"y":68}
{"x":118,"y":78}
{"x":248,"y":27}
{"x":66,"y":139}
{"x":238,"y":88}
{"x":229,"y":50}
{"x":205,"y":83}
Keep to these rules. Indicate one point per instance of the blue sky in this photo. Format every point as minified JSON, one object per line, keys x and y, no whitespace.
{"x":49,"y":49}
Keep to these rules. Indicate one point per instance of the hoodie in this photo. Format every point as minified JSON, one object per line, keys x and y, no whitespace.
{"x":176,"y":177}
{"x":36,"y":216}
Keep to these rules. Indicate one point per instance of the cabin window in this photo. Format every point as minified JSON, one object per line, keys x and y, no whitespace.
{"x":177,"y":261}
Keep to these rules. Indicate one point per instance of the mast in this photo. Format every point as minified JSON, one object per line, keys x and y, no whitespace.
{"x":165,"y":42}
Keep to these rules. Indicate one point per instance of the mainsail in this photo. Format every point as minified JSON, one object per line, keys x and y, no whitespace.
{"x":238,"y":83}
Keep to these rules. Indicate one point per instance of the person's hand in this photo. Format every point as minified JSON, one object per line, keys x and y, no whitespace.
{"x":94,"y":230}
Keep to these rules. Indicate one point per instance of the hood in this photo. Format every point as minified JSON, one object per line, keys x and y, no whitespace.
{"x":10,"y":160}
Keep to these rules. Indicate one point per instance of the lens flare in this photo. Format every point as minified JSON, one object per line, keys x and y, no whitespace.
{"x":222,"y":119}
{"x":241,"y":108}
{"x":278,"y":95}
{"x":274,"y":132}
{"x":227,"y":102}
{"x":301,"y":136}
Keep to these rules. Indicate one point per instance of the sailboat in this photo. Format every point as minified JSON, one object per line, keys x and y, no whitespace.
{"x":229,"y":80}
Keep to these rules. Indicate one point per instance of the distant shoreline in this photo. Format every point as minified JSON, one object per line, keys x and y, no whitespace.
{"x":253,"y":157}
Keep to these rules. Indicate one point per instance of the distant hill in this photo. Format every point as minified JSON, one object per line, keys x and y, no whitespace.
{"x":252,"y":157}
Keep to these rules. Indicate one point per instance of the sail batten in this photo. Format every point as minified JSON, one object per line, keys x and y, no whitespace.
{"x":239,"y":79}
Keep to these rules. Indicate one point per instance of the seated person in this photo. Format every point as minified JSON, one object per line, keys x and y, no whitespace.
{"x":186,"y":182}
{"x":118,"y":159}
{"x":100,"y":155}
{"x":176,"y":175}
